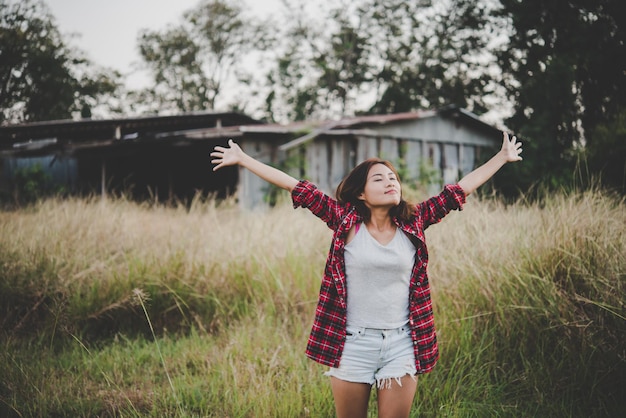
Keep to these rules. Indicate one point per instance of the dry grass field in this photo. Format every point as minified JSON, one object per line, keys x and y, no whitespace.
{"x":118,"y":309}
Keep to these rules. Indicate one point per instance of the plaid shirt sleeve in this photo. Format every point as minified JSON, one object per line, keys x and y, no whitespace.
{"x":420,"y":305}
{"x":437,"y":207}
{"x":308,"y":196}
{"x":327,"y":337}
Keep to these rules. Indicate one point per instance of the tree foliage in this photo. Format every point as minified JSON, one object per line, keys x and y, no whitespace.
{"x":178,"y":77}
{"x":401,"y":54}
{"x":558,"y":65}
{"x":564,"y":63}
{"x":558,"y":68}
{"x":607,"y":153}
{"x":322,"y":66}
{"x":41,"y":78}
{"x":433,"y":54}
{"x":192,"y":61}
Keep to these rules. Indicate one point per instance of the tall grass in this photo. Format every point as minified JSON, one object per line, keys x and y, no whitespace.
{"x":111,"y":308}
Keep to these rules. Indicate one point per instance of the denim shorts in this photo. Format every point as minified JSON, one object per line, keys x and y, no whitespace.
{"x":376,"y":356}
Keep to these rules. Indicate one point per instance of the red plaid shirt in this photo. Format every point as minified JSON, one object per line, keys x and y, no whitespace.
{"x":328,"y":335}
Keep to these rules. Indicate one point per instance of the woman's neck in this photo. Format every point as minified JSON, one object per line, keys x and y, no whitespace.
{"x":380,"y":220}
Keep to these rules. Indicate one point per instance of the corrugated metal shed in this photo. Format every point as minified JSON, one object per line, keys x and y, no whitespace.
{"x":449,"y":142}
{"x":168,"y":157}
{"x":162,"y":158}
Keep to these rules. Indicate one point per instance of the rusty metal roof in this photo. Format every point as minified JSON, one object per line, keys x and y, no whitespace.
{"x":41,"y":137}
{"x":37,"y":137}
{"x":369,"y":120}
{"x":360,"y":124}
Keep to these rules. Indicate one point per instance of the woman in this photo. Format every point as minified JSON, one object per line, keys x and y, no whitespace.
{"x":374,"y":320}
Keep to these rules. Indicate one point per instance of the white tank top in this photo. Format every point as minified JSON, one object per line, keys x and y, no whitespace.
{"x":378,"y":278}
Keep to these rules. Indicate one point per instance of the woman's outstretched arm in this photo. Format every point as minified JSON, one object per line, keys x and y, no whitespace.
{"x":510,"y":152}
{"x":234,"y":155}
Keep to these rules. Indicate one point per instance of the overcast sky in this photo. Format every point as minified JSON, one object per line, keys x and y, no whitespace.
{"x":107,"y":29}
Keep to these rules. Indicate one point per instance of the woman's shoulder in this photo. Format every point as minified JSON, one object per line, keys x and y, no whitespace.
{"x":306,"y":190}
{"x":309,"y":196}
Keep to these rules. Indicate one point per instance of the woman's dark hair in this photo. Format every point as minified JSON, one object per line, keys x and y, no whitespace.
{"x":353,"y":185}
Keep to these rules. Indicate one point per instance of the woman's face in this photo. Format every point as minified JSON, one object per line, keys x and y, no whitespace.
{"x":382,"y":187}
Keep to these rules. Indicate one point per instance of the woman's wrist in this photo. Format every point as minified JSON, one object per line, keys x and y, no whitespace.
{"x":501,"y":157}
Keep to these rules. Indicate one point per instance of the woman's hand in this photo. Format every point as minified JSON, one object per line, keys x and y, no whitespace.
{"x":511,"y":149}
{"x":223,"y":157}
{"x":234,"y":155}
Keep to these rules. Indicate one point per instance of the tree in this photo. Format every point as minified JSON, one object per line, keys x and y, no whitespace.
{"x":564,"y":66}
{"x":40,"y":77}
{"x":433,"y":54}
{"x":405,"y":54}
{"x":191,"y":62}
{"x":323,"y":64}
{"x":607,"y":153}
{"x":179,"y":80}
{"x":344,"y":61}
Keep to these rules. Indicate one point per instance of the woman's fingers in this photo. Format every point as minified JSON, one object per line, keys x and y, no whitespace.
{"x":511,"y":146}
{"x":223,"y":156}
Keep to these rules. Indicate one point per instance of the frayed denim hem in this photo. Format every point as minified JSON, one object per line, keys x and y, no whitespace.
{"x":385,"y":382}
{"x":380,"y":382}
